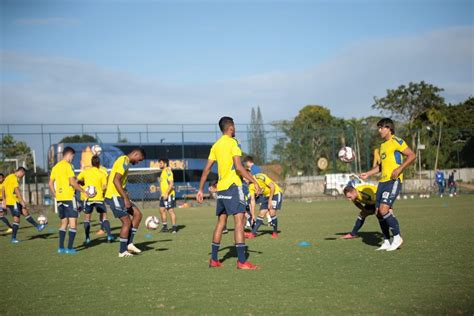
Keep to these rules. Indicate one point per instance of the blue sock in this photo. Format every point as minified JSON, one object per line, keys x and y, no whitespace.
{"x":123,"y":244}
{"x":31,"y":220}
{"x":214,"y":250}
{"x":257,"y":225}
{"x":5,"y":220}
{"x":72,"y":235}
{"x":106,"y":227}
{"x":15,"y":228}
{"x":385,"y":228}
{"x":87,"y":229}
{"x":241,"y":252}
{"x":358,"y":224}
{"x":62,"y":236}
{"x":393,"y":223}
{"x":131,"y":235}
{"x":275,"y":224}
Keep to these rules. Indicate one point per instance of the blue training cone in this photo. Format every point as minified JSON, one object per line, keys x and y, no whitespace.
{"x":304,"y":244}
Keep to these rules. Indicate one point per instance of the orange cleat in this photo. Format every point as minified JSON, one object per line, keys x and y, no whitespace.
{"x":348,"y":236}
{"x":274,"y":235}
{"x":214,"y":264}
{"x":249,"y":235}
{"x":247,"y":265}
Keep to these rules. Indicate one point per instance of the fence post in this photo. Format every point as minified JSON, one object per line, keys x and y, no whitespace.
{"x":184,"y":164}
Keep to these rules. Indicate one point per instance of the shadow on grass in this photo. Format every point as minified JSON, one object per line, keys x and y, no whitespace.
{"x":145,"y":245}
{"x":232,"y":253}
{"x":369,"y":238}
{"x":41,"y":236}
{"x":93,"y":243}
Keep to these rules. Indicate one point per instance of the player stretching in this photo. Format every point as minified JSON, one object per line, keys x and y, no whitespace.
{"x":95,"y":177}
{"x":167,"y":200}
{"x":230,"y":197}
{"x":117,"y":198}
{"x":270,"y":201}
{"x":3,"y":208}
{"x":390,"y":183}
{"x":363,"y":197}
{"x":15,"y":203}
{"x":62,"y":184}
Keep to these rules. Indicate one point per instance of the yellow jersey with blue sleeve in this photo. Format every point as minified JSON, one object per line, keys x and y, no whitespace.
{"x":96,"y":178}
{"x":223,"y":152}
{"x":10,"y":184}
{"x":366,"y":194}
{"x":60,"y":174}
{"x":165,"y":178}
{"x":120,"y":166}
{"x":265,"y":189}
{"x":1,"y":190}
{"x":264,"y":182}
{"x":391,"y":157}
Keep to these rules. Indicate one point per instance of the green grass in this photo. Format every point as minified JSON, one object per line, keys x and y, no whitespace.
{"x":432,"y":274}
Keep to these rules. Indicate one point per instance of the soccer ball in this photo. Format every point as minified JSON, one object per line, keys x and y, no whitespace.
{"x":96,"y":150}
{"x":152,"y":222}
{"x":42,"y":220}
{"x":346,"y":154}
{"x":91,"y":190}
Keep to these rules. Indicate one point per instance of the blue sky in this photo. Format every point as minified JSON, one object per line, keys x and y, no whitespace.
{"x":137,"y":61}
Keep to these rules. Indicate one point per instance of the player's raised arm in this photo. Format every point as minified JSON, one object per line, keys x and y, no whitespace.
{"x":205,"y":173}
{"x":410,"y":157}
{"x":244,"y":173}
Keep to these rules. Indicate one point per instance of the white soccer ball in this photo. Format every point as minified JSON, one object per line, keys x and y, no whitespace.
{"x":96,"y":150}
{"x":405,"y":197}
{"x":152,"y":222}
{"x":346,"y":154}
{"x":91,"y":190}
{"x":42,"y":220}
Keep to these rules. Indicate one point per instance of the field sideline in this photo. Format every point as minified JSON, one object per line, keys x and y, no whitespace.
{"x":431,"y":274}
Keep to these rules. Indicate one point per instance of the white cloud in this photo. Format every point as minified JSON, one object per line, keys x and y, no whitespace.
{"x":66,"y":90}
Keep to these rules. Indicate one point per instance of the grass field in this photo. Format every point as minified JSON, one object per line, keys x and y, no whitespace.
{"x":432,"y":274}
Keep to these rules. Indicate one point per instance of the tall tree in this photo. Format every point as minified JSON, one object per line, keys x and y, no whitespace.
{"x":257,"y":139}
{"x":79,"y":139}
{"x":11,"y":148}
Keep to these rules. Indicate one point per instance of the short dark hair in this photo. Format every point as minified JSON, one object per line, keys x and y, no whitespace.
{"x":21,"y":169}
{"x":248,"y":159}
{"x":68,"y":150}
{"x":165,"y":160}
{"x":387,"y":122}
{"x":225,"y":122}
{"x":140,"y":150}
{"x":95,"y":161}
{"x":2,"y":175}
{"x":348,"y":189}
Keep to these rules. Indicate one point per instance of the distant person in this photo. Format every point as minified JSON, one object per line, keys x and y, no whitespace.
{"x":167,"y":199}
{"x":3,"y":207}
{"x":453,"y":190}
{"x":249,"y":164}
{"x":62,"y":184}
{"x":440,"y":182}
{"x":390,"y":183}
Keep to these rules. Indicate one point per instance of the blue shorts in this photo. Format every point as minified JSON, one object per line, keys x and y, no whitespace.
{"x":99,"y":207}
{"x":67,"y":209}
{"x":276,"y":202}
{"x":168,"y":203}
{"x":117,"y":205}
{"x":15,"y":210}
{"x":387,"y":192}
{"x":230,"y":201}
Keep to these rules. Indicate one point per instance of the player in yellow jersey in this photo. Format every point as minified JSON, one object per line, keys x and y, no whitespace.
{"x":167,"y":199}
{"x":230,"y":197}
{"x":270,"y":201}
{"x":3,"y":207}
{"x":95,"y":177}
{"x":15,"y":203}
{"x":391,"y":169}
{"x":118,"y":200}
{"x":62,"y":184}
{"x":364,"y":196}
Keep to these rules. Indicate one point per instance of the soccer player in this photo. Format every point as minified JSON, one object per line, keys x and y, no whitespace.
{"x":167,"y":200}
{"x":452,"y":184}
{"x":62,"y":184}
{"x":117,"y":198}
{"x":15,"y":203}
{"x":440,"y":182}
{"x":230,"y":197}
{"x":249,"y":163}
{"x":364,"y":197}
{"x":270,"y":201}
{"x":391,"y":168}
{"x":3,"y":206}
{"x":95,"y":177}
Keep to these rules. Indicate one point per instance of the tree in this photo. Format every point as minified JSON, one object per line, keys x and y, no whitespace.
{"x":79,"y":139}
{"x":10,"y":148}
{"x":257,"y":140}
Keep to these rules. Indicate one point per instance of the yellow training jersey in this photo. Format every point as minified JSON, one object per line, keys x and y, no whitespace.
{"x":392,"y":157}
{"x":1,"y":190}
{"x":264,"y":182}
{"x":10,"y":184}
{"x":165,"y":178}
{"x":95,"y":177}
{"x":121,"y":166}
{"x":366,"y":194}
{"x":60,"y":174}
{"x":223,"y":152}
